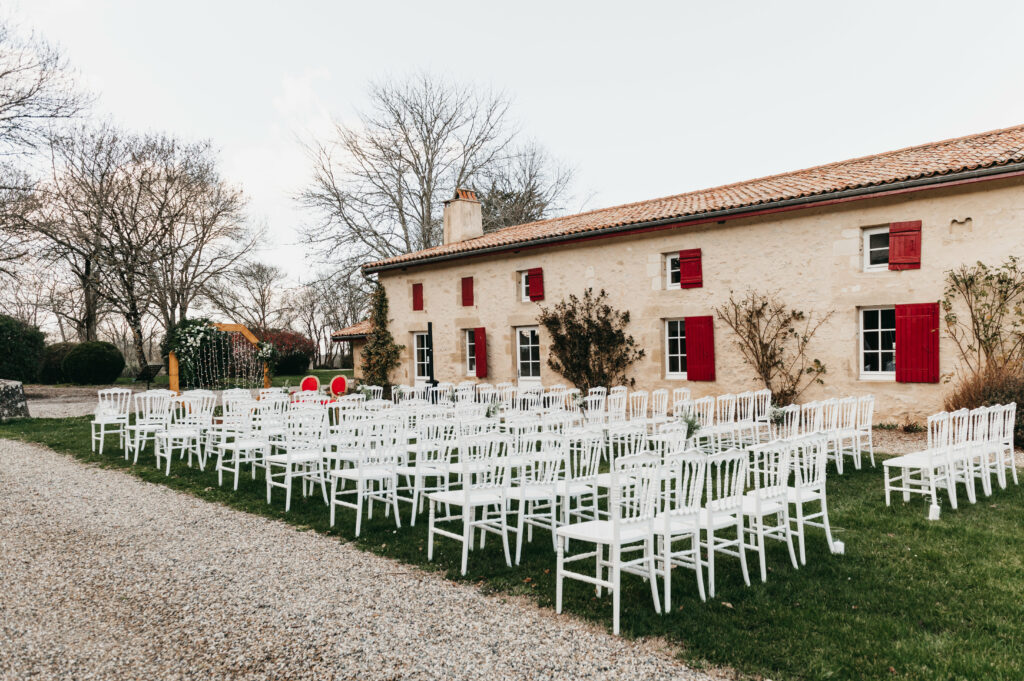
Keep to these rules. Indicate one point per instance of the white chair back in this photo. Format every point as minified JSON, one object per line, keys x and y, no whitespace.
{"x":638,"y":403}
{"x":726,"y":476}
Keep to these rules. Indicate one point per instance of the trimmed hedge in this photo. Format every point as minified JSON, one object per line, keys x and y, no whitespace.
{"x":21,"y":350}
{"x":52,"y":370}
{"x":93,"y":363}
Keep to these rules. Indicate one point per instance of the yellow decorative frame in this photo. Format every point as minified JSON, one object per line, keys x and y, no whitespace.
{"x":172,"y":360}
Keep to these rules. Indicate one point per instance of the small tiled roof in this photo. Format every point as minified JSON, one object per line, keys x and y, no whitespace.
{"x":358,"y":330}
{"x":983,"y":150}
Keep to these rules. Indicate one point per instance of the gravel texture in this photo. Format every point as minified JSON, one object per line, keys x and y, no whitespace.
{"x":57,"y":402}
{"x":109,"y":577}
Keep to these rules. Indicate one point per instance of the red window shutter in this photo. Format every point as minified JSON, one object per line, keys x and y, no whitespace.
{"x":480,"y":349}
{"x":905,"y":245}
{"x":417,"y":296}
{"x":690,"y":271}
{"x":467,"y":291}
{"x":917,"y":343}
{"x":535,"y":279}
{"x":700,"y":348}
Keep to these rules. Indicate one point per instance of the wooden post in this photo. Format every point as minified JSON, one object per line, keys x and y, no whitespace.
{"x":172,"y":371}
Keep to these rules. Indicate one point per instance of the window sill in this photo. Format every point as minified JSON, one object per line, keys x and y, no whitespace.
{"x":675,"y":377}
{"x":877,"y":268}
{"x":878,"y":378}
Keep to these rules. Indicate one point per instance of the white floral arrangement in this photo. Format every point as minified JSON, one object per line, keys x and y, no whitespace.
{"x":191,"y":338}
{"x":265,"y":351}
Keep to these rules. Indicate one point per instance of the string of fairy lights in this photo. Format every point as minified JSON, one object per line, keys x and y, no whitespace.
{"x":221,"y":360}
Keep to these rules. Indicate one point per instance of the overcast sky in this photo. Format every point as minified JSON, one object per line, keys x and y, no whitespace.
{"x":644,"y":99}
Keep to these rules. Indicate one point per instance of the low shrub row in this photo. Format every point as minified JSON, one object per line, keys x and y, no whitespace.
{"x":988,"y":388}
{"x":25,"y":357}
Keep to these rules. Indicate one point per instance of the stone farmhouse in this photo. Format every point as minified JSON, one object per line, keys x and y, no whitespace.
{"x":869,"y":239}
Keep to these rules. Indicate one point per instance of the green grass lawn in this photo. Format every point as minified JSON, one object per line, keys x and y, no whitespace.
{"x":911,"y":599}
{"x":325,"y":375}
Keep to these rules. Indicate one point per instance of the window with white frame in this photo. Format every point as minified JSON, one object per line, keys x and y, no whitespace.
{"x":672,"y":270}
{"x":524,"y":286}
{"x":878,"y":343}
{"x":421,"y":356}
{"x":470,"y":352}
{"x":528,"y":353}
{"x":876,"y":248}
{"x":675,"y":348}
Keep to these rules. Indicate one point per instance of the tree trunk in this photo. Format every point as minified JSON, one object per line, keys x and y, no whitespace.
{"x":90,"y":313}
{"x":134,"y":319}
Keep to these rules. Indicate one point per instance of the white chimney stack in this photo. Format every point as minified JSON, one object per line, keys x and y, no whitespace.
{"x":463,"y":218}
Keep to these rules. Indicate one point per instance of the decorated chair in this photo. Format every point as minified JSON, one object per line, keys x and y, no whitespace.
{"x":310,"y":383}
{"x":338,"y":385}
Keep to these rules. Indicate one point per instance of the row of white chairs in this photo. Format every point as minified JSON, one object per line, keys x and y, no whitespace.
{"x":706,"y":502}
{"x":506,"y":473}
{"x":964,"y":446}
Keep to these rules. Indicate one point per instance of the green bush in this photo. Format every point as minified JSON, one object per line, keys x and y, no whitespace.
{"x":294,"y":351}
{"x":52,"y":369}
{"x":93,"y":363}
{"x":21,"y":350}
{"x":988,"y":388}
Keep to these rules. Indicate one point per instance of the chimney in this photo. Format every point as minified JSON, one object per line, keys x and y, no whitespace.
{"x":463,"y":218}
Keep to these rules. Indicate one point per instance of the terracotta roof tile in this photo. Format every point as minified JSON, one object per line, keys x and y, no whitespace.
{"x":983,"y":150}
{"x":357,"y":330}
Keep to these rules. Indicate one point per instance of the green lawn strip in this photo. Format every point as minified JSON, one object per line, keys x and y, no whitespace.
{"x":911,"y":599}
{"x":325,"y":375}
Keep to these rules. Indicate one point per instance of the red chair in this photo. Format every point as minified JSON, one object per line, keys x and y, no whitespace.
{"x":310,"y":383}
{"x":338,"y":385}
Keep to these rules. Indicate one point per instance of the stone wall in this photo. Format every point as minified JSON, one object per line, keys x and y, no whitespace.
{"x":12,"y":400}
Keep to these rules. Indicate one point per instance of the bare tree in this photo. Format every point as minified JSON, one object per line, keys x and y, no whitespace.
{"x":379,"y":186}
{"x":69,"y":213}
{"x":774,"y":340}
{"x":526,"y":187}
{"x":146,"y":198}
{"x":204,"y":236}
{"x":36,"y":89}
{"x":330,"y":302}
{"x":252,"y":294}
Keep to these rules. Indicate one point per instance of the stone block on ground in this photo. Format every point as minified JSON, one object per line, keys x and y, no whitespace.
{"x":12,"y":400}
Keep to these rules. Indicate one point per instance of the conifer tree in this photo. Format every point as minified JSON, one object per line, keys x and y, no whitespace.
{"x":381,"y":353}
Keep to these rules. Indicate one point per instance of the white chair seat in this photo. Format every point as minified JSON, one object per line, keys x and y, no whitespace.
{"x":676,"y":522}
{"x":237,"y":445}
{"x":477,"y":497}
{"x":531,"y":492}
{"x":793,"y":495}
{"x":145,"y":427}
{"x":178,"y":432}
{"x":107,"y":418}
{"x":424,"y":471}
{"x":572,"y":488}
{"x":718,"y":519}
{"x":920,"y":459}
{"x":367,"y":473}
{"x":769,"y":506}
{"x":600,"y":532}
{"x":296,"y":457}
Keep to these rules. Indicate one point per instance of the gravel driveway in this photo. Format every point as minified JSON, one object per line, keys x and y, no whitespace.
{"x":109,"y":577}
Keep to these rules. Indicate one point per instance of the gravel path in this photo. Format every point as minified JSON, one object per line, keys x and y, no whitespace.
{"x":109,"y":577}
